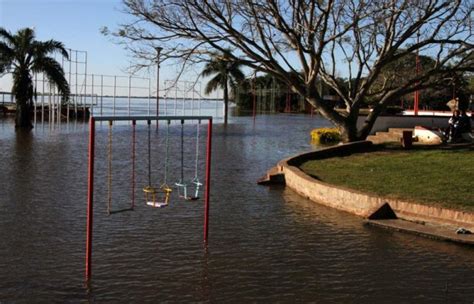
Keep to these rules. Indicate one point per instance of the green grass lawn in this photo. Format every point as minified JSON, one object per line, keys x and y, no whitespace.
{"x":437,"y":177}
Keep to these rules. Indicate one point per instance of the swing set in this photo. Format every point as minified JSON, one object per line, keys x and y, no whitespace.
{"x":157,"y":197}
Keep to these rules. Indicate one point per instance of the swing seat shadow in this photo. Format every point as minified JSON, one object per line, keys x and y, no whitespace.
{"x":189,"y":198}
{"x":192,"y":198}
{"x":121,"y":210}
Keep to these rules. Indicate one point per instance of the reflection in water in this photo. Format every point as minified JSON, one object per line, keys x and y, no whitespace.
{"x":265,"y":244}
{"x":205,"y":290}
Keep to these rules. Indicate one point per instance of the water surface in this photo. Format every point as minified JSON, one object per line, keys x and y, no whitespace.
{"x":265,"y":244}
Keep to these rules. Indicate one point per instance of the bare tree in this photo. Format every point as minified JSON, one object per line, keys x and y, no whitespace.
{"x":305,"y":41}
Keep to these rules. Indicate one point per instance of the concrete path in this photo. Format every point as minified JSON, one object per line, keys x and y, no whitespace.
{"x":445,"y":233}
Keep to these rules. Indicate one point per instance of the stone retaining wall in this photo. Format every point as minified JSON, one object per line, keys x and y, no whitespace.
{"x":356,"y":202}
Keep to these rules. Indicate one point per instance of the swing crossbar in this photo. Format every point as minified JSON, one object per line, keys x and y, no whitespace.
{"x":151,"y":118}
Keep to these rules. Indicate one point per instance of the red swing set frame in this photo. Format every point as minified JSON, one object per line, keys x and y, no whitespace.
{"x":90,"y":176}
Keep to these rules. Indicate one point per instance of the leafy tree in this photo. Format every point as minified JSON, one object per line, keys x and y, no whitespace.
{"x":320,"y":39}
{"x":22,"y":55}
{"x":226,"y":72}
{"x":263,"y":86}
{"x":435,"y":97}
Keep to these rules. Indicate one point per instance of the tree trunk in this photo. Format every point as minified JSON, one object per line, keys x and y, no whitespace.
{"x":226,"y":102}
{"x":23,"y":115}
{"x":369,"y":121}
{"x":345,"y":123}
{"x":349,"y":132}
{"x":23,"y":90}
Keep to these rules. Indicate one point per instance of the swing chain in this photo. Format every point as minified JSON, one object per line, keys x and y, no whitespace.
{"x":167,"y":153}
{"x":149,"y":153}
{"x":197,"y":152}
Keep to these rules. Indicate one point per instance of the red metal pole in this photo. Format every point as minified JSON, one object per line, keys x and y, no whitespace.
{"x":134,"y":123}
{"x":90,"y":198}
{"x":415,"y":106}
{"x":207,"y":188}
{"x":417,"y":92}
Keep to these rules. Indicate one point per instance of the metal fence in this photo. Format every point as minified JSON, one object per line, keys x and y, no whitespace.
{"x":99,"y":94}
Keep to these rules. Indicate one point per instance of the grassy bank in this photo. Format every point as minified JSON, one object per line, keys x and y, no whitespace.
{"x":439,"y":177}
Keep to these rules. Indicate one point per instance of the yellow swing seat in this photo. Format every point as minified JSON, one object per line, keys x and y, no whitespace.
{"x":152,"y":199}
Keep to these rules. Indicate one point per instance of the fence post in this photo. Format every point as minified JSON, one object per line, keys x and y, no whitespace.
{"x":90,"y":198}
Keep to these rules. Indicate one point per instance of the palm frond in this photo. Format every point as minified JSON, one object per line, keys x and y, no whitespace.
{"x":5,"y":51}
{"x":225,"y":68}
{"x":27,"y":33}
{"x":236,"y":73}
{"x":212,"y":67}
{"x":4,"y":67}
{"x":53,"y":71}
{"x":213,"y":84}
{"x":6,"y":57}
{"x":24,"y":38}
{"x":233,"y":83}
{"x":50,"y":46}
{"x":6,"y":35}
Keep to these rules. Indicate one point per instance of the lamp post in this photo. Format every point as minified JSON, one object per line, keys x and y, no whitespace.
{"x":158,"y":52}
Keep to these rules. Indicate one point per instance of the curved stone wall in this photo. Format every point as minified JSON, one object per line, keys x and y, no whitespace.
{"x":356,"y":202}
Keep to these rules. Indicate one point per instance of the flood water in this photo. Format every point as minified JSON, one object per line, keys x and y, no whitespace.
{"x":265,"y":244}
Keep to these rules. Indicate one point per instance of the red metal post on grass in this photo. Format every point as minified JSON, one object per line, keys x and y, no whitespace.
{"x":90,"y":197}
{"x":207,"y":188}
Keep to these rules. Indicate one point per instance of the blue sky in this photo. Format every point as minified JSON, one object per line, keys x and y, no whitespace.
{"x":77,"y":24}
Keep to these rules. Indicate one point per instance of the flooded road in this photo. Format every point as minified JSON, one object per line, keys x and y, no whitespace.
{"x":265,"y":244}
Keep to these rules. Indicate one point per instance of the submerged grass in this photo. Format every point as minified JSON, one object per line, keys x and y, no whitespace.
{"x":437,"y":177}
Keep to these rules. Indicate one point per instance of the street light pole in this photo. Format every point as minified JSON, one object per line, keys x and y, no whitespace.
{"x":158,"y":52}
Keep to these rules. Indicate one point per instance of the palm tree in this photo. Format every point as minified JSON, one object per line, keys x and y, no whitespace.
{"x":22,"y":55}
{"x":226,"y":71}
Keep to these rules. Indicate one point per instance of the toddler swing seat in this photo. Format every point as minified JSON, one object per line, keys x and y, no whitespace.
{"x":157,"y":198}
{"x":183,"y":190}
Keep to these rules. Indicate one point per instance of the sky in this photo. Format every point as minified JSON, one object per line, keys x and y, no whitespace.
{"x":77,"y":24}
